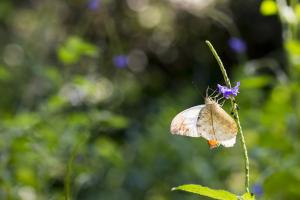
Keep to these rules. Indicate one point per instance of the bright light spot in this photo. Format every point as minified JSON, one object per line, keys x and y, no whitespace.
{"x":26,"y":193}
{"x":13,"y":55}
{"x":137,"y":60}
{"x":137,"y":5}
{"x":161,"y":41}
{"x":150,"y":17}
{"x":193,"y":6}
{"x":24,"y":23}
{"x":89,"y":90}
{"x":73,"y":94}
{"x":289,"y":15}
{"x":101,"y":90}
{"x":268,"y":7}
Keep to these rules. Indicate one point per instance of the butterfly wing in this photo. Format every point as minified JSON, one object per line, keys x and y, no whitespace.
{"x":185,"y":123}
{"x":204,"y":124}
{"x":209,"y":121}
{"x":229,"y":142}
{"x":224,"y":126}
{"x":214,"y":124}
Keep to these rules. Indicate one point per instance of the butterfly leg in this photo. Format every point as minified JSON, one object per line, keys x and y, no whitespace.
{"x":217,"y":100}
{"x":222,"y":103}
{"x":213,"y":92}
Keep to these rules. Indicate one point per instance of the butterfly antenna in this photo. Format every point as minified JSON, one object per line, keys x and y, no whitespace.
{"x":195,"y":85}
{"x":207,"y":91}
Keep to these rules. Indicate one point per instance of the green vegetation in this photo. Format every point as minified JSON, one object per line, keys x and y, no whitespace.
{"x":89,"y":89}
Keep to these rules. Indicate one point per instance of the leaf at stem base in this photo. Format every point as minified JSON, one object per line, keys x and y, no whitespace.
{"x":212,"y":193}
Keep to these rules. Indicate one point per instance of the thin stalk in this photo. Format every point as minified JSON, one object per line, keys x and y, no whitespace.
{"x":236,"y":114}
{"x":68,"y":176}
{"x":68,"y":195}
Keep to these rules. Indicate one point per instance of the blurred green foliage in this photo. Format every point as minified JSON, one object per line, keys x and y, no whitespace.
{"x":74,"y":48}
{"x":64,"y":92}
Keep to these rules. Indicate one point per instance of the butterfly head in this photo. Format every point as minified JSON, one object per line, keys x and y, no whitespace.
{"x":209,"y":100}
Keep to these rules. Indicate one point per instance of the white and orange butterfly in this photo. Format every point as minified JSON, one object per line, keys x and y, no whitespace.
{"x":209,"y":121}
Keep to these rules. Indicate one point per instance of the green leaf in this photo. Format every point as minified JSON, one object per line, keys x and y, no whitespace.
{"x":4,"y":74}
{"x":268,"y":7}
{"x":297,"y":11}
{"x":293,"y":46}
{"x":248,"y":196}
{"x":74,"y":48}
{"x":208,"y":192}
{"x":256,"y":82}
{"x":6,"y":8}
{"x":106,"y":119}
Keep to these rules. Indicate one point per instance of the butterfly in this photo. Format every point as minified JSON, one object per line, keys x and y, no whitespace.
{"x":209,"y":121}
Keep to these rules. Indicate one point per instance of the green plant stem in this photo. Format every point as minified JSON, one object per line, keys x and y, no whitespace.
{"x":68,"y":176}
{"x":236,"y":114}
{"x":69,"y":168}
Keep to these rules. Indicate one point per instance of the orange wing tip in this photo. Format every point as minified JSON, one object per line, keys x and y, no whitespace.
{"x":213,"y":144}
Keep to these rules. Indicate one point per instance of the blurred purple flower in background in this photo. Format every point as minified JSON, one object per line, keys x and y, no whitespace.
{"x":120,"y":61}
{"x":94,"y":4}
{"x":227,"y":92}
{"x":237,"y":45}
{"x":257,"y":189}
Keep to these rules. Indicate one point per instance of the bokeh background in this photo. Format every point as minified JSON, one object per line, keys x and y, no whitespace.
{"x":89,"y":88}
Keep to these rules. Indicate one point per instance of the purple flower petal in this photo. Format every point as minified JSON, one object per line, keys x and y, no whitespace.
{"x":120,"y":61}
{"x":257,"y":189}
{"x":221,"y":88}
{"x":94,"y":4}
{"x":235,"y":90}
{"x":227,"y":92}
{"x":237,"y":45}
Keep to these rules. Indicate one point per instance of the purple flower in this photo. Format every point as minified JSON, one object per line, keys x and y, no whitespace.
{"x":94,"y":4}
{"x":227,"y":92}
{"x":237,"y":45}
{"x":257,"y":189}
{"x":120,"y":61}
